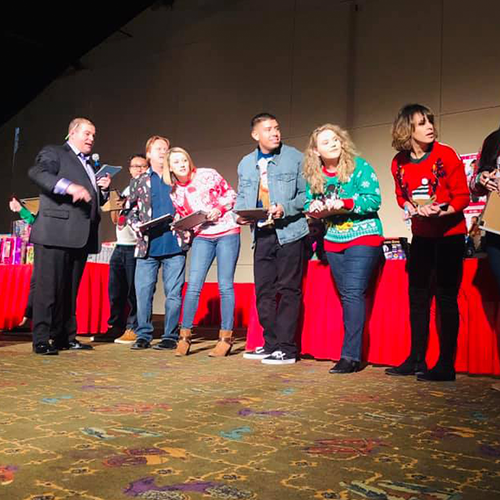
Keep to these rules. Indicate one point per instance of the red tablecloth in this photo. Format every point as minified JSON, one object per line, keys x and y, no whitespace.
{"x":92,"y":309}
{"x":387,"y":331}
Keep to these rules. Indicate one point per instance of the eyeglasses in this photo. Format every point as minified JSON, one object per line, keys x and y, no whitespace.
{"x":138,"y":166}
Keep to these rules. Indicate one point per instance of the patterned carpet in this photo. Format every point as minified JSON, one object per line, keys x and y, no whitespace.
{"x":118,"y":424}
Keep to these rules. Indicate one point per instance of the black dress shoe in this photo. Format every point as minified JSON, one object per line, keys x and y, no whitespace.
{"x":345,"y":366}
{"x":407,"y":367}
{"x":140,"y":344}
{"x":78,"y":346}
{"x":165,"y":344}
{"x":45,"y":348}
{"x":75,"y":345}
{"x":438,"y":374}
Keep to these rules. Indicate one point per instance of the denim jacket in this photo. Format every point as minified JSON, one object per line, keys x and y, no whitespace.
{"x":286,"y":187}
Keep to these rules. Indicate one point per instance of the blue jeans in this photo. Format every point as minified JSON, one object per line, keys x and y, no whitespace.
{"x":203,"y":253}
{"x":146,"y":275}
{"x":352,"y":270}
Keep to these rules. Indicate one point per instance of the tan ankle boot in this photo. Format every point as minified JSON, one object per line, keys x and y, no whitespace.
{"x":224,"y":345}
{"x":184,"y":343}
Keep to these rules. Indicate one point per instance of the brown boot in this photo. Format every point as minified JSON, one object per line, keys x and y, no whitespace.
{"x":224,"y":345}
{"x":184,"y":343}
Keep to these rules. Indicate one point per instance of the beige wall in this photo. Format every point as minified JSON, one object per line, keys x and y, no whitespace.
{"x":198,"y":73}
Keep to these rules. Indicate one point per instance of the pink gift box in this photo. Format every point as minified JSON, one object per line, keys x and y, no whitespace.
{"x":12,"y":250}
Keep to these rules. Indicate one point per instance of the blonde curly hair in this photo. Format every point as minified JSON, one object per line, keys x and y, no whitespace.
{"x":313,"y":172}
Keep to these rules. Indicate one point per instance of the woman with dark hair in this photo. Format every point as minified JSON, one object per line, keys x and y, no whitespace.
{"x":343,"y":189}
{"x":484,"y":181}
{"x":431,"y":187}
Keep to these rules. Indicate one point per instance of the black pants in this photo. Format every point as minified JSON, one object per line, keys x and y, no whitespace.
{"x":121,"y":287}
{"x":278,"y":272}
{"x":28,"y":311}
{"x":442,"y":259}
{"x":58,"y":272}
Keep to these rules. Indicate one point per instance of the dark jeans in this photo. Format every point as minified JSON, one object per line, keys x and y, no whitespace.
{"x":352,"y":270}
{"x":492,"y":242}
{"x":278,"y":271}
{"x":441,"y":258}
{"x":121,"y":287}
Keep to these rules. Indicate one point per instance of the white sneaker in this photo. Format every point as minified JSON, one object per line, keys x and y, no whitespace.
{"x":258,"y":353}
{"x":278,"y":358}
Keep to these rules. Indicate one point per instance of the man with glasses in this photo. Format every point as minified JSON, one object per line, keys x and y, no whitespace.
{"x":121,"y":289}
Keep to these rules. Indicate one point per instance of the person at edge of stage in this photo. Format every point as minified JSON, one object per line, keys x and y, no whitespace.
{"x":29,"y":218}
{"x":486,"y":181}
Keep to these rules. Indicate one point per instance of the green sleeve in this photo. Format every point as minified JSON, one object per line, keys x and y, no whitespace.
{"x":367,"y":197}
{"x":27,"y":216}
{"x":309,"y":197}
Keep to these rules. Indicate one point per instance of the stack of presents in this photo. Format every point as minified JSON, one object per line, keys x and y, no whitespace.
{"x":15,"y":248}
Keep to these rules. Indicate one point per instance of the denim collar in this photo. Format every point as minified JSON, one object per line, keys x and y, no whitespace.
{"x":275,"y":159}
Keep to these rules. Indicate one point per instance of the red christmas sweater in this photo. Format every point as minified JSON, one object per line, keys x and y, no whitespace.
{"x":438,"y":177}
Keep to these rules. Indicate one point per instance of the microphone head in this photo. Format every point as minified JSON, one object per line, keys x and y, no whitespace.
{"x":95,"y":157}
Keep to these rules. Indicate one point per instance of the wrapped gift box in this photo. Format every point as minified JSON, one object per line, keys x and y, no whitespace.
{"x":12,"y":250}
{"x":30,"y":254}
{"x":104,"y":256}
{"x":21,"y":228}
{"x":395,"y":248}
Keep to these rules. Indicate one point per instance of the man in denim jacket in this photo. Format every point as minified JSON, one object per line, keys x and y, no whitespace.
{"x":271,"y":177}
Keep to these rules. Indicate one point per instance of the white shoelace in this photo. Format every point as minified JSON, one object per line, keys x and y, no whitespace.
{"x":278,"y":355}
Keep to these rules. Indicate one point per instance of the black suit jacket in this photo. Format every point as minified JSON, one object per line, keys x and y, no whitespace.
{"x":60,"y":222}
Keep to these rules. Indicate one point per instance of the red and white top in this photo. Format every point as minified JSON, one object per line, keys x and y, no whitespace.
{"x":205,"y":191}
{"x":439,"y":177}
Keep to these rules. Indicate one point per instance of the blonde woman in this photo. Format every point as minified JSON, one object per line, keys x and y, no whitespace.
{"x":343,"y":189}
{"x":204,"y":189}
{"x":431,"y":187}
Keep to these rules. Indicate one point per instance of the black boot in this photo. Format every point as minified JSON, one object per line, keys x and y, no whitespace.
{"x":420,"y":311}
{"x":444,"y":371}
{"x":345,"y":366}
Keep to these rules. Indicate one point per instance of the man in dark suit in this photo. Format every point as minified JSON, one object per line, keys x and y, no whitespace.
{"x":64,"y":233}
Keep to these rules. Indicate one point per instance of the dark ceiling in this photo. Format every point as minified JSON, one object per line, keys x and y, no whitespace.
{"x":41,"y":40}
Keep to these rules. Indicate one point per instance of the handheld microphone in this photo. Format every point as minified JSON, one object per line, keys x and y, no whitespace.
{"x":95,"y":159}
